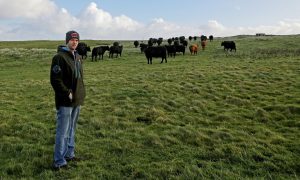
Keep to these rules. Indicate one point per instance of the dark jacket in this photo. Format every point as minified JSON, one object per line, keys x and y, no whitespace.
{"x":66,"y":75}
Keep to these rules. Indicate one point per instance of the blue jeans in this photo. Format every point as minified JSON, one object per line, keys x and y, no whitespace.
{"x":65,"y":134}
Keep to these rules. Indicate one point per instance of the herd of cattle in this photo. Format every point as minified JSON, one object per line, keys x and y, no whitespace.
{"x":98,"y":52}
{"x":153,"y":49}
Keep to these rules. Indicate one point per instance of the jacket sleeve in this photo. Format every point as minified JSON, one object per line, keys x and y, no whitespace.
{"x":56,"y":76}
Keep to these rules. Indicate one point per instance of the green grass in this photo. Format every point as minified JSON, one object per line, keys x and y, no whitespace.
{"x":216,"y":115}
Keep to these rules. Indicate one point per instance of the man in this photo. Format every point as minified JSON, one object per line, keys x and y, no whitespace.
{"x":66,"y":76}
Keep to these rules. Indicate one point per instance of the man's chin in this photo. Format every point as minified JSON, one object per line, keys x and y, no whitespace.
{"x":72,"y":48}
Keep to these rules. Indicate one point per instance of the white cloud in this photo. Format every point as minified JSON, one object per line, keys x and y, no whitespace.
{"x":99,"y":24}
{"x":282,"y":28}
{"x":42,"y":19}
{"x":26,"y":9}
{"x":161,"y":28}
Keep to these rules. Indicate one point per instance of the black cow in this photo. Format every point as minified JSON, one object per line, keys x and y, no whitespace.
{"x":143,"y":46}
{"x":115,"y":50}
{"x":159,"y":41}
{"x":180,"y":48}
{"x":176,"y":43}
{"x":171,"y":50}
{"x":229,"y":45}
{"x":82,"y":49}
{"x":156,"y":51}
{"x":170,"y":41}
{"x":184,"y":42}
{"x":136,"y":43}
{"x":99,"y":51}
{"x":211,"y":38}
{"x":203,"y":38}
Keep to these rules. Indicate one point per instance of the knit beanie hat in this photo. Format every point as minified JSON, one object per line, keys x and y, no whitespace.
{"x":70,"y":35}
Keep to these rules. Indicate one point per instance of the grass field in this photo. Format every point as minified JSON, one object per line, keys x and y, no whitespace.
{"x":215,"y":115}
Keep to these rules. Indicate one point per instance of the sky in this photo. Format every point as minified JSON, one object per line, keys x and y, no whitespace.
{"x":144,"y":19}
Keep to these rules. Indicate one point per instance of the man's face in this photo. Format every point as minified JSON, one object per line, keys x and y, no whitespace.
{"x":72,"y":44}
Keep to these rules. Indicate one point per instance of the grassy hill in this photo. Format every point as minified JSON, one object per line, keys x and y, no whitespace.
{"x":215,"y":115}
